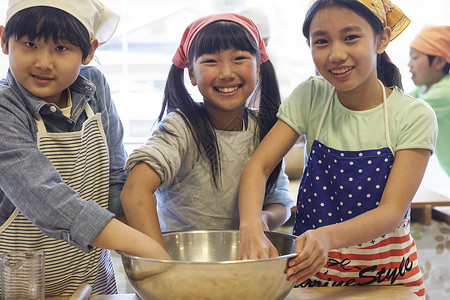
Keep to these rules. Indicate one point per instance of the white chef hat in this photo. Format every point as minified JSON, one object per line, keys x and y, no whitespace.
{"x":100,"y":21}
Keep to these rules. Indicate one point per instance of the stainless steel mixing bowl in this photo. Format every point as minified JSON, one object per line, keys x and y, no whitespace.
{"x":205,"y":267}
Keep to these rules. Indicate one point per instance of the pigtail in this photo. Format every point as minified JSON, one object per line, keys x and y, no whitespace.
{"x":177,"y":99}
{"x":387,"y":72}
{"x":269,"y":103}
{"x":174,"y":91}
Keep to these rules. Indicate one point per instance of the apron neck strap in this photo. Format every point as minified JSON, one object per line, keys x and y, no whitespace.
{"x":386,"y":122}
{"x":386,"y":119}
{"x":89,"y":111}
{"x":324,"y":113}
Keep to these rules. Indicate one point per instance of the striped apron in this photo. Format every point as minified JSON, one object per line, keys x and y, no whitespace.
{"x":82,"y":160}
{"x":339,"y":185}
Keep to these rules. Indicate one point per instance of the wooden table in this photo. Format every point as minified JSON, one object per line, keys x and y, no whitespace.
{"x":316,"y":293}
{"x":423,"y":203}
{"x":353,"y":293}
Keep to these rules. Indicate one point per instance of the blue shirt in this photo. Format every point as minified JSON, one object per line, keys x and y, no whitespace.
{"x":29,"y":181}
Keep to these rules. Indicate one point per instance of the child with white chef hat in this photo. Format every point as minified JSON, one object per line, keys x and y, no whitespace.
{"x":62,"y":157}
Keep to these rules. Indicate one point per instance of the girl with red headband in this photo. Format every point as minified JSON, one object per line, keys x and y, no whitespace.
{"x":193,"y":161}
{"x":368,"y":146}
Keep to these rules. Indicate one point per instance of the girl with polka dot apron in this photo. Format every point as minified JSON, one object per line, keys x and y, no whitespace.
{"x":353,"y":207}
{"x":340,"y":185}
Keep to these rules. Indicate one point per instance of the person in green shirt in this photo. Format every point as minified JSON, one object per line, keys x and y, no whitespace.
{"x":430,"y":65}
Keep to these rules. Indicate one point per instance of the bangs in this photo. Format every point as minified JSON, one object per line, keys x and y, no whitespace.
{"x":47,"y":23}
{"x":353,"y":5}
{"x":222,"y":35}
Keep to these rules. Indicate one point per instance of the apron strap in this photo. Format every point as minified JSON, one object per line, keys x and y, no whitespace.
{"x":386,"y":119}
{"x":324,"y":113}
{"x":40,"y":125}
{"x":89,"y":111}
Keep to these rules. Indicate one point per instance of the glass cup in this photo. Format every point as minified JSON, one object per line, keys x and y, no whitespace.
{"x":22,"y":275}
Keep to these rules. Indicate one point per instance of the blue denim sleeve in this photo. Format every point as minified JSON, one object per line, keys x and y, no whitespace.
{"x":118,"y":157}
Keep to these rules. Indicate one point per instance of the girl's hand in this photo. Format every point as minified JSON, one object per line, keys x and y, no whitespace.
{"x":254,"y":246}
{"x":312,"y":248}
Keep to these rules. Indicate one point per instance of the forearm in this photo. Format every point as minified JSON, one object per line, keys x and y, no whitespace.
{"x":142,"y":215}
{"x":274,"y":215}
{"x":139,"y":203}
{"x":277,"y":203}
{"x":361,"y":229}
{"x":251,"y":197}
{"x":119,"y":236}
{"x":253,"y":220}
{"x":255,"y":174}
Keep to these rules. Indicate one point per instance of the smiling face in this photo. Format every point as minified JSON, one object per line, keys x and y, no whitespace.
{"x":225,"y":79}
{"x":44,"y":68}
{"x":344,"y":49}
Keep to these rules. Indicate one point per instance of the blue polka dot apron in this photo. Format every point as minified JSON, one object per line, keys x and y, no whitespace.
{"x":339,"y":185}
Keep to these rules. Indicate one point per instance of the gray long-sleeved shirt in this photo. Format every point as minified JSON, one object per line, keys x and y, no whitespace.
{"x":187,"y":198}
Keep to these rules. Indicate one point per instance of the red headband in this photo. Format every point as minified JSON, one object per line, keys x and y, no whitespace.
{"x":180,"y":58}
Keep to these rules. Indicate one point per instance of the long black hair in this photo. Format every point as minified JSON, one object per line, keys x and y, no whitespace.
{"x":215,"y":37}
{"x":387,"y":72}
{"x":48,"y":22}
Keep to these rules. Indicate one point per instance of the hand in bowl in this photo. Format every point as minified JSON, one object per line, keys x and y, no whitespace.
{"x":255,"y":245}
